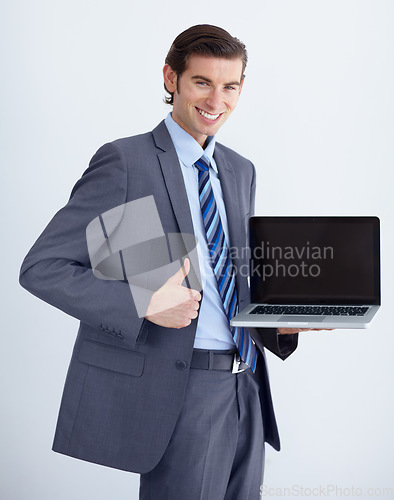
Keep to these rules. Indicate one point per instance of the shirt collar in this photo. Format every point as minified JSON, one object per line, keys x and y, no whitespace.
{"x":187,"y":148}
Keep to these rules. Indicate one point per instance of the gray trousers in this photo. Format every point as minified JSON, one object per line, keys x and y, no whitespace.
{"x":217,"y":449}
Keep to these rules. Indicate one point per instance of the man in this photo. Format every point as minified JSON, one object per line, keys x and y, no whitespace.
{"x":157,"y":394}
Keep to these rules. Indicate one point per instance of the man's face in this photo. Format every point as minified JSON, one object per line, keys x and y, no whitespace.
{"x":206,"y":94}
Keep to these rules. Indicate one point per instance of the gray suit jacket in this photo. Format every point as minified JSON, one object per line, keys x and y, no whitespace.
{"x":127,"y":376}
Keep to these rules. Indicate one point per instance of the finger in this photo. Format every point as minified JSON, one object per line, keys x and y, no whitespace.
{"x":180,"y":275}
{"x":194,"y":315}
{"x":291,"y":331}
{"x":192,"y":295}
{"x":194,"y":298}
{"x":195,"y":295}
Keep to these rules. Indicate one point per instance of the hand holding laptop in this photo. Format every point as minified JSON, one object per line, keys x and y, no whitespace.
{"x":291,"y":331}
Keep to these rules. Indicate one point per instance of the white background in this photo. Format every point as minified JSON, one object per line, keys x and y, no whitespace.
{"x":317,"y":119}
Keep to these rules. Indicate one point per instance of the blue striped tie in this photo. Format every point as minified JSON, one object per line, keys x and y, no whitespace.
{"x":221,"y":262}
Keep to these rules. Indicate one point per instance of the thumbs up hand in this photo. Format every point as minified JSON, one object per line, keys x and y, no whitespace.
{"x":173,"y":305}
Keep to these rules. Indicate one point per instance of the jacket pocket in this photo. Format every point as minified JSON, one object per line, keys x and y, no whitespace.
{"x":112,"y":358}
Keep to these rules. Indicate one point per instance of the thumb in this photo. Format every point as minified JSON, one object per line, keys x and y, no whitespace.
{"x":180,"y":275}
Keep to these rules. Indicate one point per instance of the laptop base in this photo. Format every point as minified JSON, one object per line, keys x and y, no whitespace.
{"x":246,"y":319}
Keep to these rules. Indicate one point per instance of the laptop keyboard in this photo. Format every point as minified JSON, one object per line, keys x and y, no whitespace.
{"x":312,"y":310}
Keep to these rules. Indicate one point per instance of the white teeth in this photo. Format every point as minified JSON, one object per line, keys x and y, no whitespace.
{"x":207,"y":115}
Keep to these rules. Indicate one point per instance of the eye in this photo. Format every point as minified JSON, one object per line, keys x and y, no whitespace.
{"x":203,"y":84}
{"x":229,"y":87}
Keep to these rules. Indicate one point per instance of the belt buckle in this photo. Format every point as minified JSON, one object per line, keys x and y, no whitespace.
{"x":236,"y":364}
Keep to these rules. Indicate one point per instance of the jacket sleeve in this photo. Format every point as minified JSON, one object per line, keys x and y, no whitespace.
{"x":57,"y":269}
{"x":281,"y":345}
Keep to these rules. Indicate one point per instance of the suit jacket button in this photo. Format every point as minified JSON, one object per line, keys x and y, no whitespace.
{"x":181,"y":365}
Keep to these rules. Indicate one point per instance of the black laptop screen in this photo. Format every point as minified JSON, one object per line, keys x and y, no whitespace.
{"x":315,"y":260}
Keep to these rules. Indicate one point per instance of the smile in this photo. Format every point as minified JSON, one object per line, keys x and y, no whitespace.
{"x":207,"y":115}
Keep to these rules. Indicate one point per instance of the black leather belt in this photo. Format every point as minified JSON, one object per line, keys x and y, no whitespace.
{"x":211,"y":360}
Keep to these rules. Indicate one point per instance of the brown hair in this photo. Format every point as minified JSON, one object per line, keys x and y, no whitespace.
{"x":206,"y":40}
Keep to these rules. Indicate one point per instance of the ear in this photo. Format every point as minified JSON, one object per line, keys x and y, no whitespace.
{"x":170,"y":78}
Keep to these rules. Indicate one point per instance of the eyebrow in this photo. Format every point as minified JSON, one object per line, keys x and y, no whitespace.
{"x":198,"y":77}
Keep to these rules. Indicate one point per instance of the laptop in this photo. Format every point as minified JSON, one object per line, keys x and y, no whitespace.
{"x":313,"y":272}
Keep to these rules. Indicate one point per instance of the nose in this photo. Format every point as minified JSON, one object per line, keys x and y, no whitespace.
{"x":214,"y":99}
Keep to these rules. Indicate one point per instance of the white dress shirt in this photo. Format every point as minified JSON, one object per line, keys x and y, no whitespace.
{"x":213,"y":331}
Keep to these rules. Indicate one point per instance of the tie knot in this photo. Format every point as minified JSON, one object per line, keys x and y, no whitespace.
{"x":202,"y":164}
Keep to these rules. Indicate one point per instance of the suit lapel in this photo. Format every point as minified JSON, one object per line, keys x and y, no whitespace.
{"x":231,"y":200}
{"x":173,"y":178}
{"x":235,"y":222}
